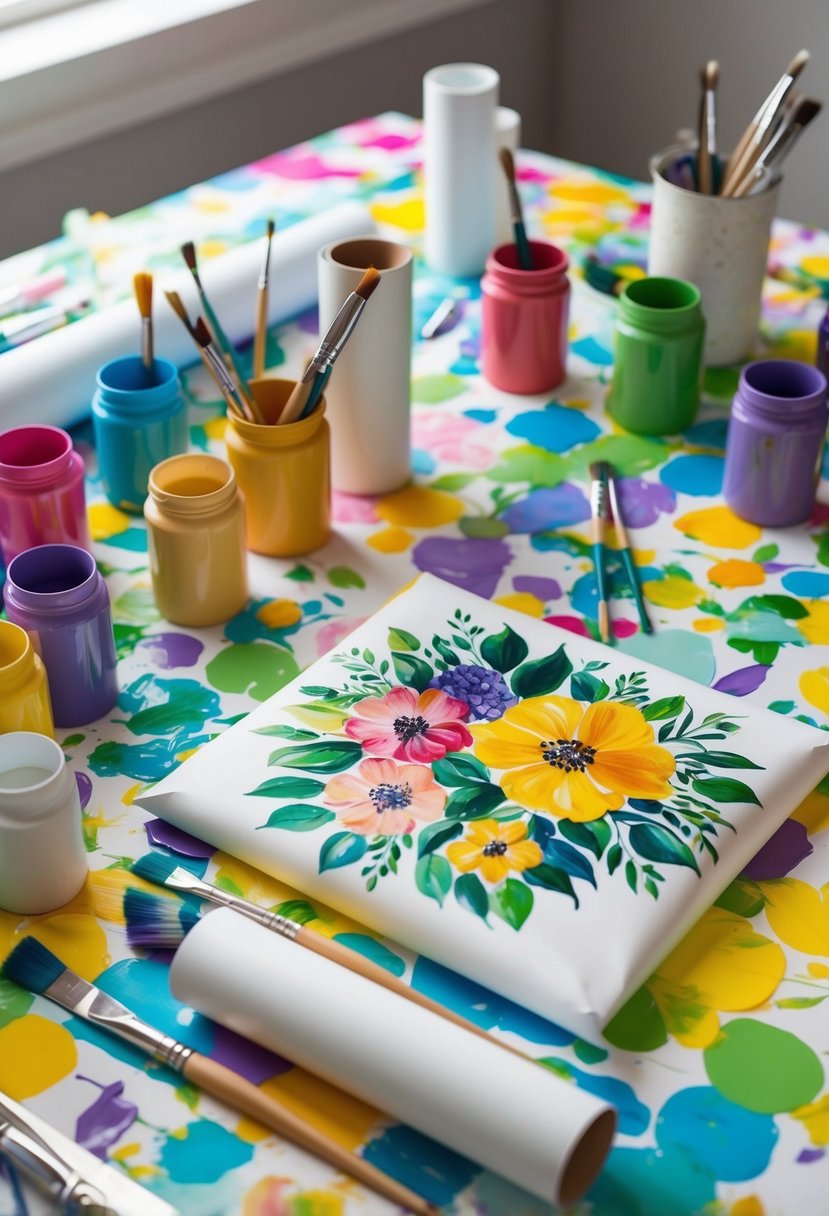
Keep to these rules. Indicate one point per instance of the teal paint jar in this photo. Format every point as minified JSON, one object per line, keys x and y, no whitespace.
{"x":657,"y":373}
{"x":137,"y":425}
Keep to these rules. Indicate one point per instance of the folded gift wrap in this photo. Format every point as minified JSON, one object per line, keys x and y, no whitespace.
{"x":538,"y":812}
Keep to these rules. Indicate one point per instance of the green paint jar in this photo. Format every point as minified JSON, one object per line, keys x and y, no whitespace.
{"x":657,"y":374}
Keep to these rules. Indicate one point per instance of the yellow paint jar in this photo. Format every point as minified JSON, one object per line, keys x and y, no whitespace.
{"x":24,"y":689}
{"x":283,"y":472}
{"x":196,"y":531}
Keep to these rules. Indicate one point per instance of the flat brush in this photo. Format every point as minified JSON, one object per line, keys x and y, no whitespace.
{"x":598,"y":511}
{"x":625,"y":551}
{"x":779,"y":147}
{"x":525,"y":257}
{"x":309,"y":389}
{"x":34,"y":967}
{"x":228,"y":353}
{"x":260,"y":337}
{"x":756,"y":133}
{"x":158,"y":922}
{"x":707,"y":150}
{"x":143,"y":286}
{"x":237,"y":402}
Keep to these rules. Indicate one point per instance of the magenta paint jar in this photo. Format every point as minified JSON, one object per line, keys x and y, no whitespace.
{"x":41,"y":490}
{"x":524,"y":316}
{"x":56,"y":593}
{"x":775,"y":442}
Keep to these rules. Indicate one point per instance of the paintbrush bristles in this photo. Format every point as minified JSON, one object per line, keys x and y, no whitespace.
{"x":32,"y":965}
{"x":368,"y":283}
{"x":506,"y":159}
{"x":271,"y":228}
{"x":201,"y":333}
{"x":177,"y":304}
{"x":188,"y":252}
{"x":798,"y":64}
{"x":711,"y":74}
{"x":143,"y":287}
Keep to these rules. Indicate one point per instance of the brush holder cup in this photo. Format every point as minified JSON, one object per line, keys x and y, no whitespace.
{"x":24,"y":689}
{"x":718,"y":244}
{"x":524,"y":317}
{"x":139,"y":420}
{"x":42,"y":498}
{"x":775,"y":442}
{"x":657,"y":372}
{"x":283,"y":472}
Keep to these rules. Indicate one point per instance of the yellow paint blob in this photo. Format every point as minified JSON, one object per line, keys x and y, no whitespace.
{"x":815,"y":1119}
{"x":800,"y":344}
{"x":737,"y":573}
{"x":278,"y":614}
{"x":420,"y":507}
{"x":819,"y":970}
{"x":815,"y":626}
{"x":75,"y":937}
{"x":814,"y":686}
{"x":408,"y":215}
{"x":799,"y":914}
{"x":817,"y":265}
{"x":215,"y":428}
{"x":34,"y":1054}
{"x":346,"y":1120}
{"x":813,"y":812}
{"x":522,"y":601}
{"x":577,"y":403}
{"x":718,"y":526}
{"x":749,"y":1205}
{"x":708,"y":624}
{"x":106,"y":520}
{"x":319,"y":716}
{"x":390,"y":540}
{"x":589,"y":191}
{"x":673,"y":592}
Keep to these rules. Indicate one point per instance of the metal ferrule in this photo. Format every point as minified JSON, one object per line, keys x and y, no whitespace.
{"x":711,"y":121}
{"x":776,"y":97}
{"x":218,"y":365}
{"x":515,"y":203}
{"x":598,"y":498}
{"x":338,"y":333}
{"x":271,"y":920}
{"x":52,"y":1175}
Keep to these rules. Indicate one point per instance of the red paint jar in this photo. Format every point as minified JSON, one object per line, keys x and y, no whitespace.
{"x":524,"y":319}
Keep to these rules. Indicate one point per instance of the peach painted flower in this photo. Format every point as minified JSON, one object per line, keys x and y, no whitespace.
{"x":494,"y":848}
{"x":384,"y":798}
{"x":407,"y":725}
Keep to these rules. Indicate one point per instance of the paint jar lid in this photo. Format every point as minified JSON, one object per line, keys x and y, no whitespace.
{"x":193,"y":486}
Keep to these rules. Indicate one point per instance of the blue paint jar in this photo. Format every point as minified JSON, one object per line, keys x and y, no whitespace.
{"x":137,"y":425}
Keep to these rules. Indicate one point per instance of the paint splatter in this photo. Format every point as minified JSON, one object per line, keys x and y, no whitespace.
{"x":763,"y":1068}
{"x":255,"y":668}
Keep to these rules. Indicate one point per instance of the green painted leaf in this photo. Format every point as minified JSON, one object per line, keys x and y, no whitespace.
{"x":513,"y":902}
{"x":14,"y":1001}
{"x":614,"y":858}
{"x":631,"y":876}
{"x":330,"y":757}
{"x":504,"y":650}
{"x":800,"y":1002}
{"x":457,"y":769}
{"x":287,"y":732}
{"x":744,"y":897}
{"x":541,"y":676}
{"x":594,"y":836}
{"x":474,"y":801}
{"x":766,"y":553}
{"x":433,"y":877}
{"x":298,"y":817}
{"x":412,"y":672}
{"x":401,"y":639}
{"x":784,"y":605}
{"x":301,"y":574}
{"x":639,"y":1025}
{"x":657,"y":843}
{"x":552,"y":879}
{"x":287,"y":787}
{"x":562,"y":856}
{"x":663,"y":709}
{"x":344,"y":576}
{"x":342,"y":849}
{"x":298,"y":910}
{"x":371,"y":949}
{"x":452,"y":481}
{"x":584,"y":687}
{"x":471,"y":894}
{"x":725,"y":789}
{"x":435,"y":835}
{"x":728,"y":760}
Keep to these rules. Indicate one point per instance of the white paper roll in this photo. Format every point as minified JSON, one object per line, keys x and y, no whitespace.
{"x":511,"y":1115}
{"x":52,"y":379}
{"x":507,"y":135}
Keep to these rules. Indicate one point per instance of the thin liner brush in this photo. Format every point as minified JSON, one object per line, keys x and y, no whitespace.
{"x":34,"y":967}
{"x":228,"y":353}
{"x":240,"y":405}
{"x":260,"y":339}
{"x":707,"y":152}
{"x":525,"y":257}
{"x":625,"y":552}
{"x":177,"y":304}
{"x":598,"y":510}
{"x":143,"y":287}
{"x":756,"y":133}
{"x":781,"y":145}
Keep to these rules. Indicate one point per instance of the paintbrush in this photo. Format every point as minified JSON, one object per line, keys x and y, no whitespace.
{"x":707,"y":150}
{"x":240,"y":404}
{"x":756,"y":133}
{"x":158,"y":922}
{"x":157,"y":925}
{"x":177,"y":304}
{"x":525,"y":257}
{"x":598,"y":510}
{"x":50,"y":1173}
{"x":228,"y":353}
{"x":779,"y":147}
{"x":143,"y":286}
{"x":307,"y":391}
{"x":260,"y":337}
{"x":34,"y":967}
{"x":625,"y":551}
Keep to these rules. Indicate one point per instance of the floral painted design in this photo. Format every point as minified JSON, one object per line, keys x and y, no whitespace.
{"x":485,"y":691}
{"x":384,"y":797}
{"x":408,"y":726}
{"x":494,"y":848}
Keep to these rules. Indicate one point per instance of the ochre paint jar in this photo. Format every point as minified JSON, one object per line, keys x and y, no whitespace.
{"x":524,"y":315}
{"x":24,"y":690}
{"x":41,"y":490}
{"x":196,"y":531}
{"x":283,"y":473}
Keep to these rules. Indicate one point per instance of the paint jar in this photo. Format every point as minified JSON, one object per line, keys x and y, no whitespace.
{"x":196,"y":531}
{"x":775,"y":442}
{"x":24,"y":690}
{"x":283,"y":472}
{"x":823,"y":345}
{"x":139,"y":421}
{"x":657,"y":373}
{"x":524,"y":319}
{"x":41,"y":490}
{"x":43,"y":861}
{"x":56,"y":593}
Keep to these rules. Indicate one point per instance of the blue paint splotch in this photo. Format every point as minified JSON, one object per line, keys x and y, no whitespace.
{"x":807,"y":584}
{"x":556,"y":428}
{"x":634,"y":1116}
{"x":698,"y":475}
{"x":592,"y":351}
{"x":428,"y":1168}
{"x":167,"y":707}
{"x":204,"y":1153}
{"x":370,"y":948}
{"x":545,"y":509}
{"x":732,"y":1143}
{"x":149,"y":761}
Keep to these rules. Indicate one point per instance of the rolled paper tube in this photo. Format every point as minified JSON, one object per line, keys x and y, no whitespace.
{"x":53,"y":379}
{"x":511,"y":1115}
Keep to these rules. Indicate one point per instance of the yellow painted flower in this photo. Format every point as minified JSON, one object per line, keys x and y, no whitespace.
{"x":571,"y":762}
{"x":494,"y":848}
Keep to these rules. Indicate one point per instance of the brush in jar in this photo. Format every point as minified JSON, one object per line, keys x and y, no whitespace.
{"x":226,"y":348}
{"x":525,"y":257}
{"x":143,"y":287}
{"x":260,"y":335}
{"x":241,"y":405}
{"x":756,"y":134}
{"x":707,"y":146}
{"x":177,"y":304}
{"x":771,"y":158}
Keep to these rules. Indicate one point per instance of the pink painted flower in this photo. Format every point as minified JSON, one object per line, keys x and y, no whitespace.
{"x":453,"y":438}
{"x":333,"y":632}
{"x":385,"y":798}
{"x":407,"y":725}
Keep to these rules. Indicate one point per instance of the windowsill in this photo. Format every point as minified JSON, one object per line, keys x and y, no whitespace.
{"x":109,"y":64}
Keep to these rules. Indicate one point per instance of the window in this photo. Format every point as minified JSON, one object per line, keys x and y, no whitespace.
{"x":12,"y":12}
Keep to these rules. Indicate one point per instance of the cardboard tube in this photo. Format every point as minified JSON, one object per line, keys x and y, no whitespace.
{"x":511,"y":1115}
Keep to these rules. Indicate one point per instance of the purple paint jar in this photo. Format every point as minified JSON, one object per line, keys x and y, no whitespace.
{"x":41,"y":490}
{"x":57,"y":594}
{"x":823,"y":345}
{"x":775,"y":442}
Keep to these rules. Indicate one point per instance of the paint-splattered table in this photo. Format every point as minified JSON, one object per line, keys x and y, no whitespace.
{"x":716,"y":1065}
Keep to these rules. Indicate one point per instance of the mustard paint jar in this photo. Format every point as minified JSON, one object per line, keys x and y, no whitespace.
{"x":283,"y":472}
{"x":196,"y":531}
{"x":24,"y":689}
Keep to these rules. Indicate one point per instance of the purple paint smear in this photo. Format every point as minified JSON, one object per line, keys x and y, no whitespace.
{"x":807,"y":1155}
{"x":84,"y":784}
{"x":474,"y":564}
{"x":104,"y":1122}
{"x":746,"y":680}
{"x":169,"y":650}
{"x":781,"y":854}
{"x":543,"y":589}
{"x":642,"y":502}
{"x":167,"y":837}
{"x":251,"y":1061}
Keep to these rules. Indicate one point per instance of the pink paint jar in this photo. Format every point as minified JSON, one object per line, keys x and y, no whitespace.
{"x":524,"y":319}
{"x":41,"y":490}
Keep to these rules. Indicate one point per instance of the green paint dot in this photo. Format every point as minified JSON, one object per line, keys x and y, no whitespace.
{"x":638,"y":1026}
{"x":256,"y":668}
{"x":762,"y":1068}
{"x":588,"y":1054}
{"x":136,"y":606}
{"x":431,"y":390}
{"x":14,"y":1001}
{"x":630,"y":455}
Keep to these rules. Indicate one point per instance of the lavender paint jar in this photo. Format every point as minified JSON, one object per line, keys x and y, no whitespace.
{"x":57,"y":594}
{"x":775,"y":442}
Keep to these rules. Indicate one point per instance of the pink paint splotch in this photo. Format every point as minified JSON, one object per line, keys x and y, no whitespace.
{"x":298,"y":168}
{"x":331,"y":634}
{"x":453,"y":438}
{"x":353,"y":508}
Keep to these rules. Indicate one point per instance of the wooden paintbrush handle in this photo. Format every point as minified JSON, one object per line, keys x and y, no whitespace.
{"x":261,"y":333}
{"x":246,"y":1098}
{"x":379,"y":975}
{"x":295,"y":404}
